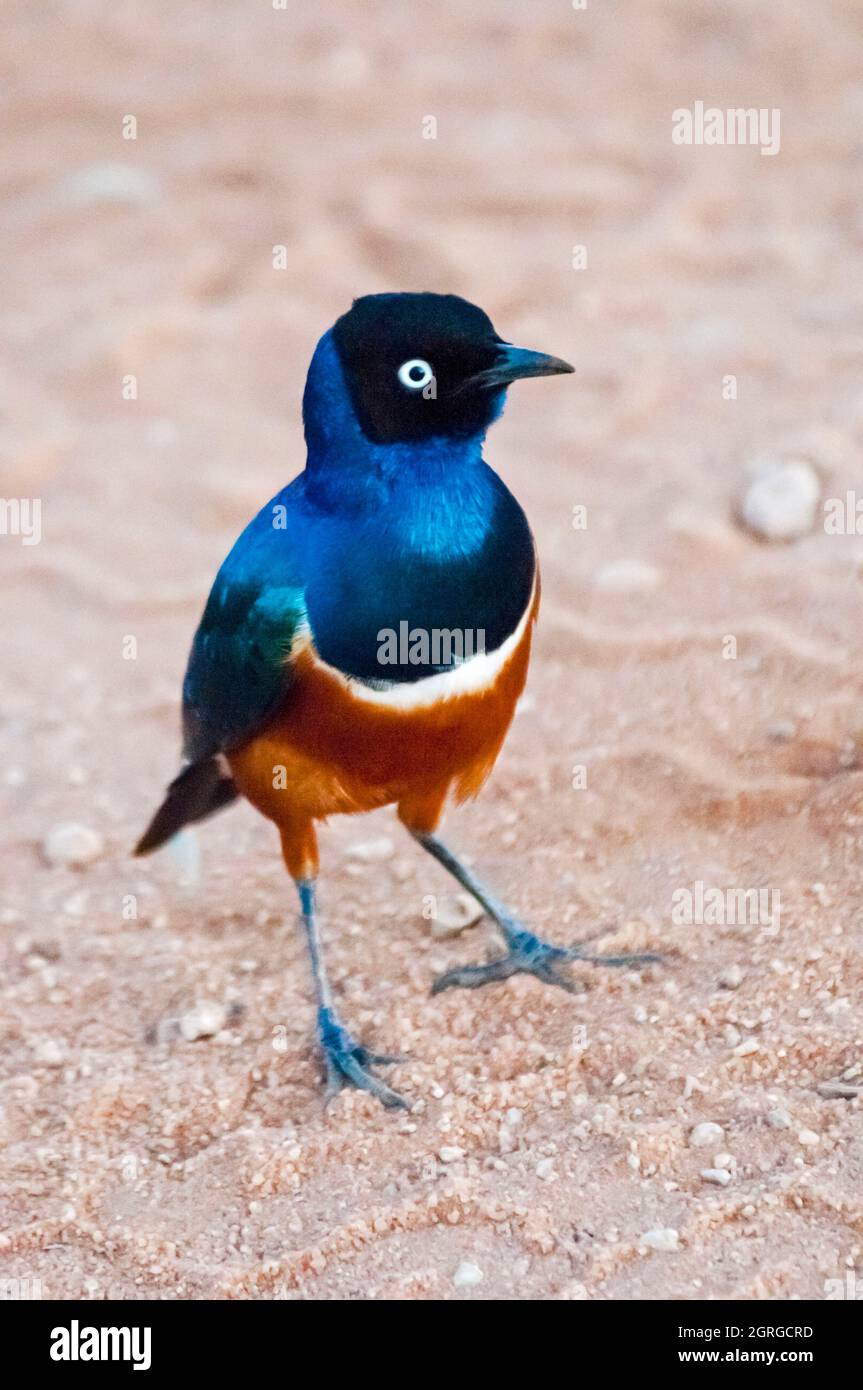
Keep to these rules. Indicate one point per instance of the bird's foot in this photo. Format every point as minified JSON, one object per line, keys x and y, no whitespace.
{"x":347,"y":1063}
{"x":528,"y":955}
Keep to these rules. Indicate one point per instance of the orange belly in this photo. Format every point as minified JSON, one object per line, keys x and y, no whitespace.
{"x":329,"y":751}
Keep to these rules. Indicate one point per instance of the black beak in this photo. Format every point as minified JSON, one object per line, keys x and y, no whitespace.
{"x":513,"y":363}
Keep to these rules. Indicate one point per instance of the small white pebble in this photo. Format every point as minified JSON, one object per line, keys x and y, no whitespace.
{"x":72,"y":845}
{"x":467,"y":1275}
{"x":724,"y":1160}
{"x":203,"y":1020}
{"x":545,"y":1169}
{"x":663,"y":1238}
{"x":450,"y":1153}
{"x":779,"y":1119}
{"x":101,"y":184}
{"x":731,"y":977}
{"x":703,"y":1135}
{"x":781,"y":731}
{"x":720,"y":1177}
{"x":627,"y":576}
{"x":808,"y":1138}
{"x":50,"y":1052}
{"x":506,"y":1140}
{"x":454,"y":915}
{"x":781,"y":498}
{"x":747,"y":1047}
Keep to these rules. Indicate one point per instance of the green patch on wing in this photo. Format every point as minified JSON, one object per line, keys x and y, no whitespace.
{"x":239,"y":666}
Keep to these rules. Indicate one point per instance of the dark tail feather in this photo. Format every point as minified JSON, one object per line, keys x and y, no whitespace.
{"x":200,"y":790}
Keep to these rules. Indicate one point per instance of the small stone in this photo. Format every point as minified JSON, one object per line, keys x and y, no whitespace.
{"x":72,"y":845}
{"x":450,"y":1153}
{"x":720,"y":1177}
{"x":545,"y":1169}
{"x":703,"y":1135}
{"x":724,"y":1160}
{"x":779,"y":1119}
{"x":731,"y":977}
{"x":839,"y":1090}
{"x":105,"y":183}
{"x":781,"y":731}
{"x":468,"y":1275}
{"x":808,"y":1138}
{"x":781,"y":498}
{"x":627,"y":577}
{"x":664,"y":1238}
{"x":50,"y":1052}
{"x":506,"y":1140}
{"x":747,"y":1047}
{"x":373,"y":851}
{"x":203,"y":1020}
{"x":454,"y":915}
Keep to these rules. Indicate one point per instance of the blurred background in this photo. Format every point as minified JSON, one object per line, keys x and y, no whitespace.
{"x":191,"y":196}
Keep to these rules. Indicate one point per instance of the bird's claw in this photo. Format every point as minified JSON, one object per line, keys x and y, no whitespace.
{"x":531,"y":956}
{"x":347,"y":1063}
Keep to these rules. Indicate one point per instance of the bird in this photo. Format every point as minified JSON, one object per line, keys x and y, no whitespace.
{"x":366,"y":640}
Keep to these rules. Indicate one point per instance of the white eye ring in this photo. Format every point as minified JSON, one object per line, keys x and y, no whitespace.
{"x":415,"y":374}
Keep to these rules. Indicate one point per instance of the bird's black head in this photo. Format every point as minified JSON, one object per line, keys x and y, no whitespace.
{"x":419,"y":365}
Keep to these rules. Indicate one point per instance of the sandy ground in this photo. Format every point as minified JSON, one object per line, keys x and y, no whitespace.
{"x":549,"y":1133}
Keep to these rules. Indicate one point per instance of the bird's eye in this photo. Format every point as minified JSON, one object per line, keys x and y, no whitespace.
{"x":415,"y":374}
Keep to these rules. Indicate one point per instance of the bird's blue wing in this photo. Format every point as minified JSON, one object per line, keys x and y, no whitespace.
{"x":240,"y":663}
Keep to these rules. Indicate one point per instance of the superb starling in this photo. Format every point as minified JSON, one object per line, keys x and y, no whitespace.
{"x":367,"y":638}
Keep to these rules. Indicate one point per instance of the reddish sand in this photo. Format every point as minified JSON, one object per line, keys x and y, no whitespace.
{"x":550,"y":1133}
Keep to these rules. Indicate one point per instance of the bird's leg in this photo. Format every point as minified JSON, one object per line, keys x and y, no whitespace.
{"x":527,"y":954}
{"x":347,"y":1062}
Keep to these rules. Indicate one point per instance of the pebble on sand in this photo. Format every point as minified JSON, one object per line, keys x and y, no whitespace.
{"x":51,"y":1053}
{"x":703,"y":1135}
{"x":450,"y":1153}
{"x":808,"y":1138}
{"x":627,"y":576}
{"x":781,"y":498}
{"x":778,"y":1119}
{"x":454,"y":915}
{"x":104,"y":184}
{"x":720,"y":1177}
{"x":467,"y":1275}
{"x":664,"y":1238}
{"x":72,"y":845}
{"x":203,"y":1020}
{"x":731,"y":977}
